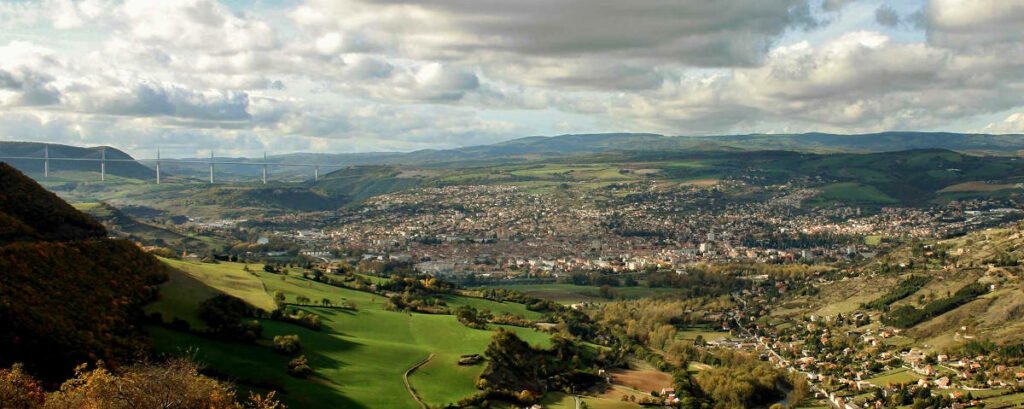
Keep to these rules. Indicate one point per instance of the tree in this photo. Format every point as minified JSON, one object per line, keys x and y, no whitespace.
{"x":175,"y":384}
{"x":287,"y":344}
{"x":326,"y":302}
{"x":18,"y":390}
{"x":279,"y":297}
{"x":512,"y":364}
{"x":227,"y":317}
{"x":469,"y":317}
{"x":299,"y":367}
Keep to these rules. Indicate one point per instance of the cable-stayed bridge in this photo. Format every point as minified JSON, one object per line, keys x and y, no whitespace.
{"x":101,"y":160}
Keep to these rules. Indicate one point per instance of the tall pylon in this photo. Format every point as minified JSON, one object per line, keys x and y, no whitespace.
{"x":158,"y":166}
{"x":264,"y":167}
{"x":103,"y":164}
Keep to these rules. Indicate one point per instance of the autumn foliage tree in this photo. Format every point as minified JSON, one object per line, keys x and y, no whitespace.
{"x":67,"y":293}
{"x":176,"y":384}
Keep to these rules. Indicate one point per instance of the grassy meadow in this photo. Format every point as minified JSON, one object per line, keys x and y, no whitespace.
{"x":359,"y":356}
{"x":572,"y":294}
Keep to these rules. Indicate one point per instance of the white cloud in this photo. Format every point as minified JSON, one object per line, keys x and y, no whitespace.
{"x":974,"y":23}
{"x":402,"y":74}
{"x":695,"y":32}
{"x":194,"y":24}
{"x":1013,"y":124}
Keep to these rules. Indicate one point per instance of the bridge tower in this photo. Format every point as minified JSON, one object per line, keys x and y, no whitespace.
{"x":158,"y":166}
{"x":103,"y":164}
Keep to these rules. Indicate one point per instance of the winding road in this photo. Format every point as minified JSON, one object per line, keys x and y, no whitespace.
{"x":408,"y":385}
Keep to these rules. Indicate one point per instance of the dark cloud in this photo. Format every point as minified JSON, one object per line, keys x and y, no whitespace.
{"x":835,"y":5}
{"x":887,"y":17}
{"x":693,"y":32}
{"x":30,"y":88}
{"x":152,"y":99}
{"x":976,"y":25}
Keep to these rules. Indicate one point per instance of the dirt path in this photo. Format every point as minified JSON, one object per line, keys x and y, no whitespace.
{"x":408,"y":385}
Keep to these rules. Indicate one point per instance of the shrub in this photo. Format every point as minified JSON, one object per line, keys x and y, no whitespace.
{"x":226,"y":316}
{"x":287,"y":344}
{"x":304,"y":319}
{"x":299,"y":367}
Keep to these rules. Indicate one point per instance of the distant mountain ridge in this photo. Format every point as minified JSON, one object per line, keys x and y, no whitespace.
{"x":34,"y":167}
{"x":536,"y":147}
{"x":539,"y":147}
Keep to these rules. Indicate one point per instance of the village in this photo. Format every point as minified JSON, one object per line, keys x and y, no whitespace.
{"x":499,"y":231}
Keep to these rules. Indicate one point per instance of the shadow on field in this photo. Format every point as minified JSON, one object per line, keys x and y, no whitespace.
{"x":257,"y":368}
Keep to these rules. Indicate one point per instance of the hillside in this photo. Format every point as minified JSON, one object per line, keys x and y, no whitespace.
{"x":121,"y":225}
{"x":359,"y":355}
{"x":533,"y":148}
{"x":359,"y":183}
{"x":541,"y":147}
{"x":68,"y":294}
{"x":911,"y":178}
{"x":930,"y":313}
{"x":34,"y":168}
{"x":908,"y":178}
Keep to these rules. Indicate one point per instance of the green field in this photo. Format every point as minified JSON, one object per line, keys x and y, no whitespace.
{"x":359,"y":356}
{"x":895,"y":376}
{"x":853,"y":193}
{"x":571,"y":294}
{"x":873,"y":240}
{"x":709,"y":335}
{"x":558,"y":400}
{"x":229,"y":278}
{"x":1005,"y":401}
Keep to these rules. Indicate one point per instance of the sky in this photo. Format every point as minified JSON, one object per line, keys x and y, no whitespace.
{"x":242,"y":77}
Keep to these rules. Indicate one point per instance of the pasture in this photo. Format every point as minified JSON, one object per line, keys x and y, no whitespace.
{"x":896,"y":376}
{"x":853,"y":193}
{"x":359,"y":355}
{"x":572,"y":294}
{"x":558,"y":400}
{"x":706,"y":333}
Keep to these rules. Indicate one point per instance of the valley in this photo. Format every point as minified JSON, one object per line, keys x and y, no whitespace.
{"x":814,"y":279}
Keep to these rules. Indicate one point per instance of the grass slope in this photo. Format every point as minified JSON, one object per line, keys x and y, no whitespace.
{"x":229,"y":278}
{"x":571,"y":294}
{"x":359,"y":356}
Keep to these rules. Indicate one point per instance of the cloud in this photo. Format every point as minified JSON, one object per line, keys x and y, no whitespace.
{"x":1013,"y":124}
{"x":23,"y":77}
{"x":23,"y":88}
{"x":835,"y":5}
{"x":860,"y":81}
{"x":694,"y":32}
{"x":972,"y":24}
{"x":147,"y":99}
{"x":403,"y":74}
{"x":194,"y":24}
{"x":887,"y":17}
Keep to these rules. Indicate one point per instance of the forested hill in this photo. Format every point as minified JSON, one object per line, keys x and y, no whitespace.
{"x":28,"y":211}
{"x":539,"y":147}
{"x":34,"y":167}
{"x":68,"y":295}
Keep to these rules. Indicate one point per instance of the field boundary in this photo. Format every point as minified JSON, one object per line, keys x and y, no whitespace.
{"x":408,"y":385}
